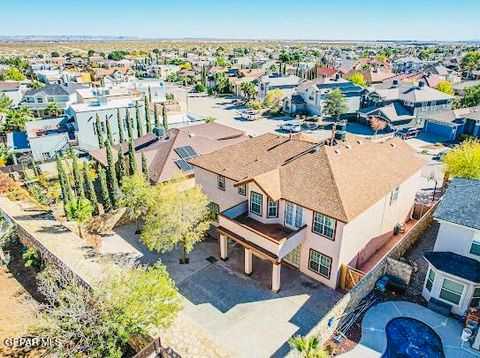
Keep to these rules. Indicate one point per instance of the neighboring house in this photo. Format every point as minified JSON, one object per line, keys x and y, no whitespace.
{"x":460,"y":87}
{"x":39,"y":99}
{"x":114,"y":76}
{"x":153,"y":88}
{"x":409,"y":64}
{"x":453,"y":275}
{"x":12,"y":90}
{"x":311,"y":205}
{"x":314,"y":93}
{"x":450,"y":124}
{"x":84,"y":115}
{"x":402,"y":104}
{"x":286,"y":84}
{"x":49,"y":76}
{"x":167,"y":153}
{"x":49,"y":137}
{"x":445,"y":74}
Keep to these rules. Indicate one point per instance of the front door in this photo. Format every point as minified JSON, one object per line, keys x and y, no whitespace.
{"x":293,"y":257}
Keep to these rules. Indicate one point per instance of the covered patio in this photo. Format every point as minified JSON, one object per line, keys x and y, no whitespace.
{"x":269,"y":242}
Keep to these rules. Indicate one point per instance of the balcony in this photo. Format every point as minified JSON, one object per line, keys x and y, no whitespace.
{"x":271,"y":240}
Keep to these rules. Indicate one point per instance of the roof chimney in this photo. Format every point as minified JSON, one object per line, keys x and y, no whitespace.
{"x":421,"y":84}
{"x":396,"y":83}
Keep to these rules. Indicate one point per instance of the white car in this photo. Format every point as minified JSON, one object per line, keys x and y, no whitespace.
{"x":291,"y":127}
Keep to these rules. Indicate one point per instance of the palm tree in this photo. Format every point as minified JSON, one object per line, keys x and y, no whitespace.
{"x":308,"y":347}
{"x":79,"y":210}
{"x":53,"y":110}
{"x":210,"y":119}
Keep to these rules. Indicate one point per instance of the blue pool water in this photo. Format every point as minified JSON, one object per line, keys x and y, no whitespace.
{"x":410,"y":338}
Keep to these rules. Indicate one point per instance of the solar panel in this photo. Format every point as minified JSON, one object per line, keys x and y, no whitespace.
{"x":186,"y":152}
{"x":183,"y":165}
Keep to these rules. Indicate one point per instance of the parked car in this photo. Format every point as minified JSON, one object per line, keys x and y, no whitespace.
{"x":309,"y":126}
{"x":407,"y":133}
{"x":440,"y":156}
{"x":291,"y":127}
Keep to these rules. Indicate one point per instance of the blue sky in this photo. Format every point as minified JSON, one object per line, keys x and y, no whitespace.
{"x":280,"y":19}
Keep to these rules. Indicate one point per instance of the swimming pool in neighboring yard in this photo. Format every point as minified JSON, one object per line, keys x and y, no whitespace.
{"x":410,"y":338}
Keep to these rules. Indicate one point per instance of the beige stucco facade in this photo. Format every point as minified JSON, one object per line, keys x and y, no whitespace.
{"x":350,"y":239}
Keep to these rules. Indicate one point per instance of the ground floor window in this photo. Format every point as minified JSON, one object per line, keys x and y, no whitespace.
{"x":320,"y":263}
{"x":451,"y":291}
{"x":430,"y":280}
{"x":475,"y":298}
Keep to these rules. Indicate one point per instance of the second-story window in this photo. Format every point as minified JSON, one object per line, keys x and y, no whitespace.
{"x":242,"y":189}
{"x":394,"y":195}
{"x":272,"y":208}
{"x":221,"y":182}
{"x":256,"y":203}
{"x":475,"y":248}
{"x":293,"y":215}
{"x":323,"y":225}
{"x":39,"y":100}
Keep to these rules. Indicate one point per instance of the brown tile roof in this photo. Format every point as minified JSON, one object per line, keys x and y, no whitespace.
{"x":340,"y":181}
{"x":161,"y":155}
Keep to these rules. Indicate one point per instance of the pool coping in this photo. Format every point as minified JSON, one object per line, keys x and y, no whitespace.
{"x":374,"y":340}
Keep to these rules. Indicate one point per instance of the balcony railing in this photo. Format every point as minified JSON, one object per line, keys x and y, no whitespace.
{"x":274,"y":238}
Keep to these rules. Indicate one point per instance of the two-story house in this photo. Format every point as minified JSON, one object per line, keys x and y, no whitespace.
{"x":310,"y":96}
{"x":286,"y":84}
{"x":402,"y":104}
{"x":453,"y":275}
{"x":312,"y":205}
{"x":39,"y":99}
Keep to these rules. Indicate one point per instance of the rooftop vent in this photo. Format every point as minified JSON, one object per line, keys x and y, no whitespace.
{"x":348,"y":146}
{"x":393,"y":145}
{"x":359,"y":141}
{"x":337,"y":150}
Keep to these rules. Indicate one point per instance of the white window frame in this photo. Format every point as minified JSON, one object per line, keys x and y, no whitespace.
{"x":254,"y":194}
{"x":296,"y":220}
{"x":242,"y":189}
{"x":316,"y":257}
{"x":320,"y":221}
{"x":475,"y":242}
{"x":272,"y":204}
{"x":451,"y":291}
{"x":430,"y":280}
{"x":221,"y":183}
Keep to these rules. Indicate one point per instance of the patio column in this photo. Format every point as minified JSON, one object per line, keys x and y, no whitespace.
{"x":223,"y":247}
{"x":248,"y":262}
{"x":276,"y":277}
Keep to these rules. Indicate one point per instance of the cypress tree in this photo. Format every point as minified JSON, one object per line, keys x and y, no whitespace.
{"x":98,"y":124}
{"x":149,"y":94}
{"x":122,"y":171}
{"x":145,"y":168}
{"x":139,"y":122}
{"x":111,"y":175}
{"x":109,"y":131}
{"x":132,"y":163}
{"x":66,"y":191}
{"x":165,"y":119}
{"x":120,"y":127}
{"x":91,"y":194}
{"x":77,"y":175}
{"x":147,"y":116}
{"x":155,"y":116}
{"x":129,"y":125}
{"x":107,"y":204}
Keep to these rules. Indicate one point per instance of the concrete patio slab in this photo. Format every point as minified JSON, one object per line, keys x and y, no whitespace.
{"x":374,"y":340}
{"x":240,"y":313}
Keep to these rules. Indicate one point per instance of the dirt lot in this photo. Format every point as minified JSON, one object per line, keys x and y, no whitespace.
{"x":17,"y":287}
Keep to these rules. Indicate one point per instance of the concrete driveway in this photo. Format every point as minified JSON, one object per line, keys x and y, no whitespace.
{"x":232,"y":311}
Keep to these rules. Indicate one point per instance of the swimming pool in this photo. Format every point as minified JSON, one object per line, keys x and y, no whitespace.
{"x":410,"y":338}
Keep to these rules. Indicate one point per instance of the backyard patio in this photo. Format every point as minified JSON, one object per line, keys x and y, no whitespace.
{"x":222,"y":303}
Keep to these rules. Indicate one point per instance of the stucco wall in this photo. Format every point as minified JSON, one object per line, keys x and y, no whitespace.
{"x":225,"y":199}
{"x":456,"y":238}
{"x":377,"y":221}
